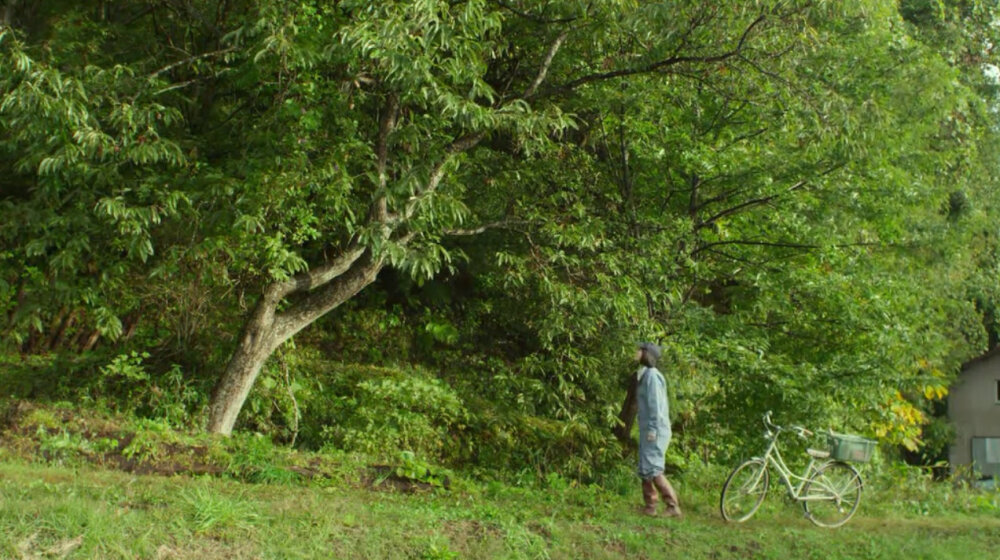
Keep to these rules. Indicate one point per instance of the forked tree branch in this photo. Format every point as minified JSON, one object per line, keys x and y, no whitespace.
{"x":665,"y":63}
{"x":320,"y":275}
{"x":320,"y":301}
{"x":458,"y":146}
{"x":747,"y":204}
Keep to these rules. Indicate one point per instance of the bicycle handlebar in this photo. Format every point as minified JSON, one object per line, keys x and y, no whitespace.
{"x":802,"y":432}
{"x":799,"y":430}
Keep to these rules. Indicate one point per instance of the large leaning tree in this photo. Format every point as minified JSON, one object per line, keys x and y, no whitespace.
{"x":416,"y":87}
{"x":302,"y":147}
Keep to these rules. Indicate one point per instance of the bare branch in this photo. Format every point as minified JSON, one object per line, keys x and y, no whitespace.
{"x":777,"y":244}
{"x":405,"y":239}
{"x":737,"y":190}
{"x":787,"y":245}
{"x":173,"y":65}
{"x":351,"y":280}
{"x":319,"y":275}
{"x":537,"y":19}
{"x":747,"y":204}
{"x":501,"y":224}
{"x":665,"y":63}
{"x":460,"y":145}
{"x":723,"y":196}
{"x":380,"y":211}
{"x":544,"y":69}
{"x":742,"y":137}
{"x":175,"y":86}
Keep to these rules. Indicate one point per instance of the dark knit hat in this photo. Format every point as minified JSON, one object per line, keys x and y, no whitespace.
{"x":652,"y":352}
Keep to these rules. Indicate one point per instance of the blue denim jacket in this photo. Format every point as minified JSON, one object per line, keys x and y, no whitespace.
{"x":654,"y":416}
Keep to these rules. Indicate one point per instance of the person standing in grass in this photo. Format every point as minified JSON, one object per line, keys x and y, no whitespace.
{"x":654,"y":432}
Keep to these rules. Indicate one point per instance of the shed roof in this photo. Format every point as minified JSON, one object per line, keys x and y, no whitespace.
{"x":995,"y":351}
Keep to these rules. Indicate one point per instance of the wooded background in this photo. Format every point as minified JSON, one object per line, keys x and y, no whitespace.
{"x":443,"y":225}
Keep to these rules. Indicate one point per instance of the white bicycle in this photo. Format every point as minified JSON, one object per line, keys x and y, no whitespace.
{"x":829,"y":489}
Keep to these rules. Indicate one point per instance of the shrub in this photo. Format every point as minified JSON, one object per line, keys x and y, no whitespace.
{"x":382,"y":411}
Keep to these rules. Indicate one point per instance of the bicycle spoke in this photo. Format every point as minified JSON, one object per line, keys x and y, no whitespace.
{"x":832,"y":494}
{"x":744,"y":491}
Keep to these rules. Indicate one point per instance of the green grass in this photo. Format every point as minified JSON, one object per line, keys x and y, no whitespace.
{"x":63,"y":494}
{"x":50,"y":511}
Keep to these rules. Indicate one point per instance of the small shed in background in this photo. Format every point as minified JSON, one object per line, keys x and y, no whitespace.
{"x":974,"y":410}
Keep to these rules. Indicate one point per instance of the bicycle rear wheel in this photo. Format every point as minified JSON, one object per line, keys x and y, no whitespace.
{"x":832,"y":494}
{"x":744,"y":491}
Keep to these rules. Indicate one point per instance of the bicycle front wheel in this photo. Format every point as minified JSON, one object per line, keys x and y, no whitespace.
{"x":744,"y":491}
{"x":832,"y":494}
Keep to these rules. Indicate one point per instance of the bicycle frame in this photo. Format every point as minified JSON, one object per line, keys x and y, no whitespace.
{"x":772,"y":457}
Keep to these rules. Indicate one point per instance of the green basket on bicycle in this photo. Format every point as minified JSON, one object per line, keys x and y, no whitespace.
{"x":844,"y":447}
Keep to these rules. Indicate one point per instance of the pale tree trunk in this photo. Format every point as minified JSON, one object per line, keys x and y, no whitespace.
{"x":257,"y":341}
{"x":326,"y":288}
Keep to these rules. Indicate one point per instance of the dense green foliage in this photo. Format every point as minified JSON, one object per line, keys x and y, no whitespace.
{"x":796,"y":199}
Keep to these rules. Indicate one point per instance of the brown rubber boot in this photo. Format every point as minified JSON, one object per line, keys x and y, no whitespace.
{"x":673,"y":507}
{"x":649,"y":497}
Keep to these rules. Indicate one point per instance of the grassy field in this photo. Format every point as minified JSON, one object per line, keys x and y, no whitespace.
{"x":51,"y":511}
{"x":76,"y":483}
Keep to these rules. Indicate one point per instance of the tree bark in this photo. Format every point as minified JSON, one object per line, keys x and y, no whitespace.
{"x":59,"y":332}
{"x":267,"y":329}
{"x":324,"y":287}
{"x":8,"y":13}
{"x":90,"y":342}
{"x":257,"y":342}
